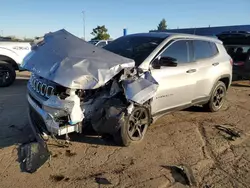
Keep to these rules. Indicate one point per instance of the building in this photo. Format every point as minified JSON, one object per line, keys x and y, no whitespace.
{"x":208,"y":31}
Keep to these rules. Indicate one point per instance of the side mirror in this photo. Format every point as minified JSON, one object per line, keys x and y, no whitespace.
{"x":165,"y":62}
{"x":168,"y":62}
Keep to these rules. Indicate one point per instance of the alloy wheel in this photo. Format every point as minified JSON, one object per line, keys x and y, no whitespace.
{"x":138,"y":124}
{"x":4,"y":75}
{"x":218,"y":97}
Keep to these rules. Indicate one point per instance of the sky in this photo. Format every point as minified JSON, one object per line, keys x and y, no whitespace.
{"x":29,"y":18}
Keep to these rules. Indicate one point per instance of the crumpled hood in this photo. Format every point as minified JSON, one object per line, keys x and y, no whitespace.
{"x":71,"y":62}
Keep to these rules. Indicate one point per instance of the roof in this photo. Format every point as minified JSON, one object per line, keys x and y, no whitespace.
{"x":178,"y":35}
{"x":152,"y":34}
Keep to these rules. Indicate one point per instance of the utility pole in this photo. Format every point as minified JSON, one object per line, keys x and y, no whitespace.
{"x":83,"y":26}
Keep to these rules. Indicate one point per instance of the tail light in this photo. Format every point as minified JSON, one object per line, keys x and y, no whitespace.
{"x":231,"y":61}
{"x":239,"y":63}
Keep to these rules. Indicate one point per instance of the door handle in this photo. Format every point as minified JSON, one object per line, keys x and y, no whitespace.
{"x":215,"y":64}
{"x":191,"y":71}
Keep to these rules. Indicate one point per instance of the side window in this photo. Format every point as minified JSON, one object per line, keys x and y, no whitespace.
{"x":178,"y":51}
{"x":101,"y":44}
{"x":204,"y":49}
{"x":214,"y":49}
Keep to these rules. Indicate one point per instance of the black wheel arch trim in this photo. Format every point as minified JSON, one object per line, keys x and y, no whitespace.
{"x":9,"y":60}
{"x":218,"y":79}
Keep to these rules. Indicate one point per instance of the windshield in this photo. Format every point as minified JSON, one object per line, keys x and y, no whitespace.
{"x":137,"y":48}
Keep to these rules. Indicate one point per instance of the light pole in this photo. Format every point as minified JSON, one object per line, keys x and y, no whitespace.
{"x":83,"y":26}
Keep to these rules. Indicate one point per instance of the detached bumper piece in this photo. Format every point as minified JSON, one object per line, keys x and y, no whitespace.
{"x":32,"y":156}
{"x":44,"y":122}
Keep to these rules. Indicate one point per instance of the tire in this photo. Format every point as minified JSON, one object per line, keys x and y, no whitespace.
{"x":7,"y":74}
{"x":217,"y":98}
{"x":124,"y":136}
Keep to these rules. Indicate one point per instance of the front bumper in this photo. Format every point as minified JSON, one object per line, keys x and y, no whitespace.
{"x":45,"y":122}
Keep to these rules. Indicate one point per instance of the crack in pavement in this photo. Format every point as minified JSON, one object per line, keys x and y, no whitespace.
{"x":201,"y":130}
{"x":121,"y":170}
{"x":215,"y":160}
{"x":110,"y":155}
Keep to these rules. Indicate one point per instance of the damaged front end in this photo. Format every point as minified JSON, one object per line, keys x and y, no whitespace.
{"x":75,"y":84}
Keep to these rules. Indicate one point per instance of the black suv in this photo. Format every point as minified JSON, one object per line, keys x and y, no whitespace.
{"x":237,"y":44}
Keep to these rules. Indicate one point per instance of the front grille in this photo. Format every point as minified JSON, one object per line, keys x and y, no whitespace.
{"x":37,"y":120}
{"x":41,"y":86}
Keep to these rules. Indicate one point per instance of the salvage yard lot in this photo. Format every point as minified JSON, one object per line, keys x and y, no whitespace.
{"x":188,"y":137}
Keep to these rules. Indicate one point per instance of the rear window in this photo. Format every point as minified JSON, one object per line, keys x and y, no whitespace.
{"x":204,"y":49}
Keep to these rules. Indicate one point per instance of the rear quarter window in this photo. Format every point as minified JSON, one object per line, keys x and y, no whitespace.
{"x":204,"y":49}
{"x":214,"y":49}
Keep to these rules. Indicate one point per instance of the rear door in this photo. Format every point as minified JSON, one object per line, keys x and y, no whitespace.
{"x":205,"y":54}
{"x":176,"y":84}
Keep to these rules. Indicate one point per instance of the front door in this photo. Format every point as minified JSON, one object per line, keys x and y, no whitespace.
{"x":176,"y":84}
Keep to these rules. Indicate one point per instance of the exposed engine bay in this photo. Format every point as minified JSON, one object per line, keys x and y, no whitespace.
{"x":103,"y":108}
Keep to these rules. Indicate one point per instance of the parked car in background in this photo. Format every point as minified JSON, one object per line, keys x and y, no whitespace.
{"x":11,"y":57}
{"x":100,"y":43}
{"x":122,"y":88}
{"x":237,"y":44}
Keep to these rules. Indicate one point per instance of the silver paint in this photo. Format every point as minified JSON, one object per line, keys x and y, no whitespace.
{"x":71,"y":62}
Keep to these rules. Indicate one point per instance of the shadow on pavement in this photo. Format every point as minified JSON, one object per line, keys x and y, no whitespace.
{"x":240,"y":85}
{"x":195,"y":109}
{"x":91,"y":137}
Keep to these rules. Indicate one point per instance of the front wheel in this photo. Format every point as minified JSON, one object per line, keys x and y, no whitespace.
{"x":134,"y":128}
{"x":217,"y":98}
{"x":7,"y":74}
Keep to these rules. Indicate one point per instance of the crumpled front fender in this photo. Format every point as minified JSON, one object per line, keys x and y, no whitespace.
{"x":140,"y":90}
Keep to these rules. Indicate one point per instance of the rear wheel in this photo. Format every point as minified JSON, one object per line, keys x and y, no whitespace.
{"x":217,"y":98}
{"x":134,"y":128}
{"x":7,"y":74}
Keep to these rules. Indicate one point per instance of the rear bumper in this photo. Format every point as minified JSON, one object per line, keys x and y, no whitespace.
{"x":42,"y":121}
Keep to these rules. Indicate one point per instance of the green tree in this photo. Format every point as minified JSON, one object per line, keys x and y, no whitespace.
{"x":28,"y":39}
{"x":13,"y":38}
{"x":162,"y":25}
{"x":100,"y":33}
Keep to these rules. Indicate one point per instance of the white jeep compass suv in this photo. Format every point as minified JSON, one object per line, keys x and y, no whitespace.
{"x":122,"y":88}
